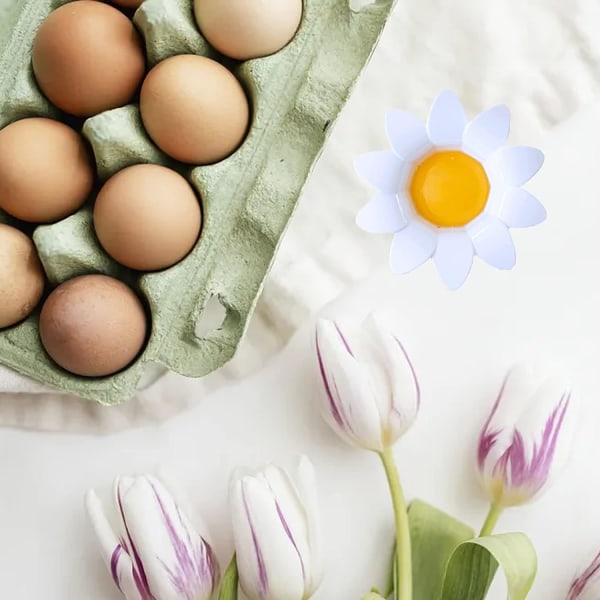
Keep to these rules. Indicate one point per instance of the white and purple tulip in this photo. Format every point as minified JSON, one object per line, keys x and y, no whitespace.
{"x":148,"y":544}
{"x":526,"y":438}
{"x":370,"y":391}
{"x":277,"y":533}
{"x":587,"y":585}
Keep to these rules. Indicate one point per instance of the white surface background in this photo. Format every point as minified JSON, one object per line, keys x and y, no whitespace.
{"x":543,"y":62}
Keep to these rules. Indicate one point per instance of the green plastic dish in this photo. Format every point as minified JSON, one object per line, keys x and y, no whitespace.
{"x":248,"y":199}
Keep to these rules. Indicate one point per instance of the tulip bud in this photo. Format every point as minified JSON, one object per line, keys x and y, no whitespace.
{"x":149,"y":545}
{"x":370,"y":390}
{"x":276,"y":529}
{"x":525,"y":439}
{"x":587,"y":585}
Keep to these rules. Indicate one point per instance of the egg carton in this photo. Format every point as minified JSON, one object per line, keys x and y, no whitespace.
{"x":248,"y":199}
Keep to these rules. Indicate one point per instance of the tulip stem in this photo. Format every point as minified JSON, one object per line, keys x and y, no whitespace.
{"x":491,"y":520}
{"x":403,"y":564}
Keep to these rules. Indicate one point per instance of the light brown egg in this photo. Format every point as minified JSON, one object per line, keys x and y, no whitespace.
{"x":147,"y":217}
{"x":194,"y":109}
{"x":244,"y":29}
{"x":46,"y":170}
{"x":22,"y":277}
{"x":128,"y":3}
{"x":93,"y":325}
{"x":88,"y":58}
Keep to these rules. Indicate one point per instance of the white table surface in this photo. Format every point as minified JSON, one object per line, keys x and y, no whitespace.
{"x":462,"y":343}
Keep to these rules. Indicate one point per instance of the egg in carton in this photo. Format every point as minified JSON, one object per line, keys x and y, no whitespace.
{"x":247,"y":199}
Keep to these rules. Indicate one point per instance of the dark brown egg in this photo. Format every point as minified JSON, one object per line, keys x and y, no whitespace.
{"x":93,"y":325}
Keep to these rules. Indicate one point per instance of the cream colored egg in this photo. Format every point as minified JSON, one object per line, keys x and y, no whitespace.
{"x":245,"y":29}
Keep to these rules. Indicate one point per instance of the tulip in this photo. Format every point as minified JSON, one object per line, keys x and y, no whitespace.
{"x":587,"y":585}
{"x":371,"y":398}
{"x":149,"y":546}
{"x":370,"y":389}
{"x":525,"y":440}
{"x":277,"y":535}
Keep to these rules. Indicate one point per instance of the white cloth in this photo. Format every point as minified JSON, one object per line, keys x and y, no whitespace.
{"x":541,"y":58}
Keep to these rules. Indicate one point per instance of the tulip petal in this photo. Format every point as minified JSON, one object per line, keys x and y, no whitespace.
{"x":382,"y":215}
{"x":382,"y":170}
{"x":586,"y":585}
{"x":176,"y":561}
{"x":547,"y":435}
{"x":521,"y":209}
{"x":280,"y":559}
{"x":447,"y":120}
{"x":487,"y":132}
{"x":116,"y":558}
{"x":352,"y":409}
{"x":403,"y":392}
{"x":306,"y":483}
{"x":249,"y":558}
{"x":122,"y":486}
{"x":291,"y":512}
{"x":407,"y":135}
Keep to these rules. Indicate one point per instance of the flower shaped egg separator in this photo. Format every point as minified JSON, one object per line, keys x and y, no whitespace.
{"x":450,"y":189}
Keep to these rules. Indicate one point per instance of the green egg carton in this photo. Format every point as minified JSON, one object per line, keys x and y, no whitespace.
{"x":248,"y":199}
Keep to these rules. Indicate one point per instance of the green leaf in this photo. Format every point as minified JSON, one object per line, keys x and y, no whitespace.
{"x":373,"y":596}
{"x":474,"y":564}
{"x":434,"y":537}
{"x":229,"y":583}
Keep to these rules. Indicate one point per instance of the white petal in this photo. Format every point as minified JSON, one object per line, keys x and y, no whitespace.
{"x":493,"y":243}
{"x":247,"y":557}
{"x":518,"y":164}
{"x":383,"y":170}
{"x":454,"y":257}
{"x":306,"y":483}
{"x":292,"y":510}
{"x":117,"y":560}
{"x":382,"y":215}
{"x":487,"y":132}
{"x":447,"y":120}
{"x":283,"y":568}
{"x":548,"y":398}
{"x":107,"y":537}
{"x":356,"y":412}
{"x":403,"y":387}
{"x":521,"y":209}
{"x":515,"y":395}
{"x":412,"y":247}
{"x":175,"y":558}
{"x":407,"y":135}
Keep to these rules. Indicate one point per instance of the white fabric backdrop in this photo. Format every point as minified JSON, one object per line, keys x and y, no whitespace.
{"x":541,"y":58}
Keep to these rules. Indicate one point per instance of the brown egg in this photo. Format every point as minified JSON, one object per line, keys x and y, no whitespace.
{"x":128,"y":3}
{"x":22,"y":277}
{"x":244,"y":29}
{"x":46,"y":170}
{"x":88,"y":58}
{"x":147,"y":217}
{"x":194,"y":109}
{"x":93,"y":325}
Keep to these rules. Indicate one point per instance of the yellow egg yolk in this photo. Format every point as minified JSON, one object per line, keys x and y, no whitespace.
{"x":449,"y":188}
